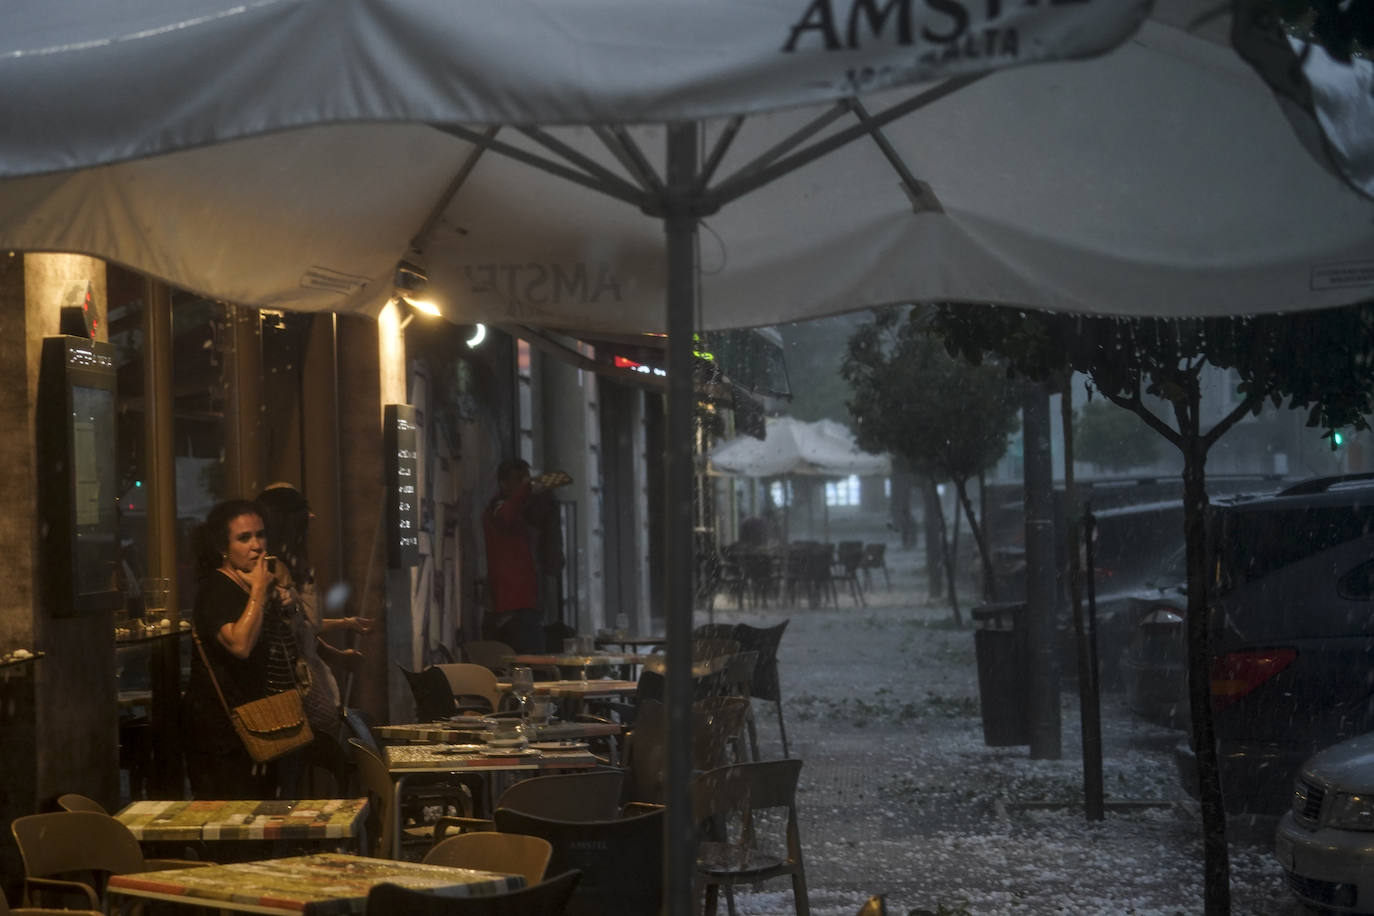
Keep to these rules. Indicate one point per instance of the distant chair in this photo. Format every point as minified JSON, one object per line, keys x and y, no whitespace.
{"x":727,"y":804}
{"x":489,"y":653}
{"x":621,"y":859}
{"x":486,"y":850}
{"x":549,"y":898}
{"x":430,"y":690}
{"x":875,"y":557}
{"x":849,"y":557}
{"x":766,"y":686}
{"x":473,"y":686}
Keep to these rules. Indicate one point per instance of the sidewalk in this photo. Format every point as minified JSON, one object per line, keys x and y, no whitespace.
{"x":901,"y":797}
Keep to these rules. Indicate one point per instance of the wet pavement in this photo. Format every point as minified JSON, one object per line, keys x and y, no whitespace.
{"x":900,"y":795}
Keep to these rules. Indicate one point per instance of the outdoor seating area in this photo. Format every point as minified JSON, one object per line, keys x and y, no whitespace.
{"x":467,"y":809}
{"x":801,"y":573}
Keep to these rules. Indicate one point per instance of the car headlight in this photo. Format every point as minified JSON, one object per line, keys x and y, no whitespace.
{"x":1351,"y":812}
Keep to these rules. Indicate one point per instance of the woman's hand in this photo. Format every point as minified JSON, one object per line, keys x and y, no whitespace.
{"x":359,"y":624}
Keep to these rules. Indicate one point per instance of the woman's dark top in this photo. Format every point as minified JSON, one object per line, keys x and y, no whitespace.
{"x":220,"y":600}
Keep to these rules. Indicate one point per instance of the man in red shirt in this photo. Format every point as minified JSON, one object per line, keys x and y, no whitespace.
{"x":512,"y":577}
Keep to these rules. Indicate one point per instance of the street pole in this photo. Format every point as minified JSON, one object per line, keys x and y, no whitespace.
{"x":1041,"y":584}
{"x":680,"y":224}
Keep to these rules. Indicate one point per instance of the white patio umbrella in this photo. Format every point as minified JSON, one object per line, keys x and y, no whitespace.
{"x":286,"y":153}
{"x":796,"y":448}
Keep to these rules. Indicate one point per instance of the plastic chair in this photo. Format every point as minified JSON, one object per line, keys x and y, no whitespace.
{"x":645,"y":755}
{"x":72,"y":801}
{"x":473,"y":684}
{"x":548,"y":898}
{"x":766,"y":686}
{"x":75,"y":842}
{"x":728,"y":803}
{"x":594,"y":795}
{"x":376,"y":781}
{"x":621,"y":860}
{"x":485,"y":850}
{"x":430,"y":688}
{"x":717,"y":726}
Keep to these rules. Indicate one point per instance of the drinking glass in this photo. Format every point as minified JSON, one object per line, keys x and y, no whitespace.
{"x":522,"y":685}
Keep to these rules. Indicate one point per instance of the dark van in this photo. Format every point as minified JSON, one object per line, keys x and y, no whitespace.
{"x":1292,"y":629}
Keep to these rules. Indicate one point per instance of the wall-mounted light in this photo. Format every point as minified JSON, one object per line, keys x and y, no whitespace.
{"x":479,"y":334}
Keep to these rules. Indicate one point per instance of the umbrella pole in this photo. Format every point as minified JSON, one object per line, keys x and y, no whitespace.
{"x":680,"y":225}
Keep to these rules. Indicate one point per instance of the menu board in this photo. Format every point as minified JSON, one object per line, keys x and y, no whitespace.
{"x":403,"y":499}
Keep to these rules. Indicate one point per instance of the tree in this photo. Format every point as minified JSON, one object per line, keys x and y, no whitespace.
{"x":945,"y":419}
{"x":1109,"y":437}
{"x":1322,"y":362}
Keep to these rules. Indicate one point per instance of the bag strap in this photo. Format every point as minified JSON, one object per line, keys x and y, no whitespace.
{"x":211,"y":671}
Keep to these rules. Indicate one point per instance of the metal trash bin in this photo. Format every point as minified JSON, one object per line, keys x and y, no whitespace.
{"x":1002,"y":673}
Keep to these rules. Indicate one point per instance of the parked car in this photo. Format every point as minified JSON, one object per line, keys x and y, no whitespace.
{"x":1325,"y":841}
{"x":1154,"y":662}
{"x":1292,"y":635}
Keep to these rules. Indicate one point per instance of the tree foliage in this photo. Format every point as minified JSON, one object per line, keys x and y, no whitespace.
{"x":1112,"y":438}
{"x":1321,"y":362}
{"x":946,"y":419}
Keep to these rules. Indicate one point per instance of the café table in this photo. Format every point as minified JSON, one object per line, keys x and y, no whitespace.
{"x":203,"y":821}
{"x":578,"y":689}
{"x":580,"y":662}
{"x":406,"y":760}
{"x":444,"y":732}
{"x":326,"y":884}
{"x":629,"y":643}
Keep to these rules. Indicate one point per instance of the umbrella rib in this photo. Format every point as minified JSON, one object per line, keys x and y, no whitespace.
{"x":620,"y":190}
{"x":792,"y":141}
{"x":459,"y":178}
{"x":761,"y":172}
{"x":920,"y":193}
{"x":626,"y":150}
{"x":586,"y":163}
{"x":723,"y":142}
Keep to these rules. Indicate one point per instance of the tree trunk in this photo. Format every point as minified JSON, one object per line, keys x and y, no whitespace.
{"x":948,"y":561}
{"x":1216,"y":861}
{"x":934,"y":538}
{"x":979,"y":538}
{"x":1089,"y":698}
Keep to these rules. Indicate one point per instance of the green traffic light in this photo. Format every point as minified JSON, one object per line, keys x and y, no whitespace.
{"x":1337,"y":439}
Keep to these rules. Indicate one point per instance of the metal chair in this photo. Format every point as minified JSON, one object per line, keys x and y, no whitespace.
{"x":486,"y":850}
{"x":548,"y":898}
{"x":621,"y":859}
{"x":728,"y":805}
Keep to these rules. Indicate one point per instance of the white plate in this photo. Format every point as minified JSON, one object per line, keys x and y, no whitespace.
{"x":558,"y":745}
{"x":509,"y":752}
